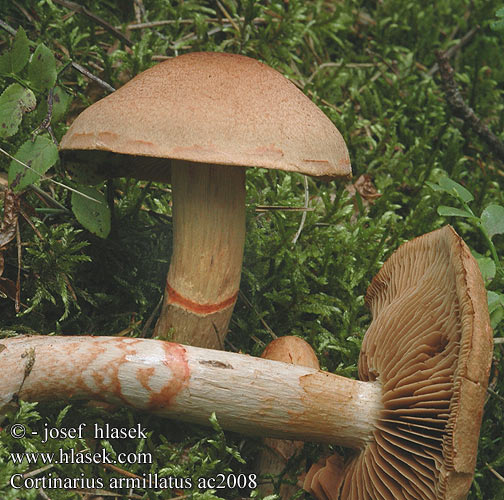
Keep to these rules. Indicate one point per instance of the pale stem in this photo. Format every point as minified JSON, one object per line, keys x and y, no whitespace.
{"x":249,"y":395}
{"x":208,"y":239}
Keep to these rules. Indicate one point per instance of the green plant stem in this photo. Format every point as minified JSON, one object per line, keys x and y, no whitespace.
{"x":486,"y":236}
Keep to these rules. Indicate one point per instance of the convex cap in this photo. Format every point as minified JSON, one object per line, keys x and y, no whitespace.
{"x":212,"y":108}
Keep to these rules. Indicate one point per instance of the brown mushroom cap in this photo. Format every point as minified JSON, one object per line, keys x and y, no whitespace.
{"x":430,"y":346}
{"x":210,"y":108}
{"x":291,"y":349}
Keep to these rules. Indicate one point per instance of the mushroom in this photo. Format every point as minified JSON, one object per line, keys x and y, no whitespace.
{"x":276,"y":453}
{"x":430,"y":348}
{"x":198,"y":120}
{"x":413,"y":420}
{"x":325,"y":477}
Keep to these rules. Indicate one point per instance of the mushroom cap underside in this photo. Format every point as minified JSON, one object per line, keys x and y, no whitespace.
{"x":430,"y":346}
{"x":207,"y":107}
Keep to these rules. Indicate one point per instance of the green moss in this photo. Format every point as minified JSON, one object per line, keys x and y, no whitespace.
{"x":366,"y":65}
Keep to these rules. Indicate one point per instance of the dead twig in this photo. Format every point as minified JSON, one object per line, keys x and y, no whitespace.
{"x":123,"y":472}
{"x":106,"y":493}
{"x":494,"y":472}
{"x":7,"y":27}
{"x":36,"y":472}
{"x":249,"y":304}
{"x":149,"y":321}
{"x":8,"y":233}
{"x":140,"y":12}
{"x":384,"y":61}
{"x":90,"y":75}
{"x":381,"y":73}
{"x":218,"y":336}
{"x":17,"y":301}
{"x":46,"y":122}
{"x":462,"y":110}
{"x":495,"y":394}
{"x":339,"y":65}
{"x":227,"y":16}
{"x":303,"y":217}
{"x":43,"y":494}
{"x":80,"y":9}
{"x":155,"y":24}
{"x":454,"y":48}
{"x":282,"y":208}
{"x":161,"y":58}
{"x":192,"y":36}
{"x":375,"y":77}
{"x":48,"y":199}
{"x":23,"y":11}
{"x":46,"y":178}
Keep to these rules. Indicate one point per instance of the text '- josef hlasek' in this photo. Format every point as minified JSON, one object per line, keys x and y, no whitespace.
{"x":99,"y":432}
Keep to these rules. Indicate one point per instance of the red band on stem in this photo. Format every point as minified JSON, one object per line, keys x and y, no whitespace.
{"x":189,"y":305}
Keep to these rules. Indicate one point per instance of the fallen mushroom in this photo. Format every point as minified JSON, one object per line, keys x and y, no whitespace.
{"x":413,"y":422}
{"x":198,"y":120}
{"x":430,"y":347}
{"x":276,"y":453}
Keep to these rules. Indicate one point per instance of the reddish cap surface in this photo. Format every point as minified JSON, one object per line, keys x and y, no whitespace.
{"x":212,"y":108}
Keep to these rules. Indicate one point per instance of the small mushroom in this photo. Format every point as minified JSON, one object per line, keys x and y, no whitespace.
{"x":413,"y":420}
{"x":198,"y":120}
{"x":324,"y":478}
{"x":276,"y":453}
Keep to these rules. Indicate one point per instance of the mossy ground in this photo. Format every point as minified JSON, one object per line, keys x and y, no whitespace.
{"x":370,"y":66}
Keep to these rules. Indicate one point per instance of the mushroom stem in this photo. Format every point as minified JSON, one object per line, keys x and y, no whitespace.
{"x":249,"y":395}
{"x":208,"y":239}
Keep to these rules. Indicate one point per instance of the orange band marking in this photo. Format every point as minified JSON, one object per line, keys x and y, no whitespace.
{"x":176,"y":360}
{"x":190,"y":305}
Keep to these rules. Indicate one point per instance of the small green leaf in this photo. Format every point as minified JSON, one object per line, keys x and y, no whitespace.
{"x":487,"y":268}
{"x":61,"y":101}
{"x":453,"y":212}
{"x":42,"y":68}
{"x":435,"y":187}
{"x":492,"y":219}
{"x":455,"y":189}
{"x":14,"y":102}
{"x":39,"y":155}
{"x":93,"y":215}
{"x":495,"y":308}
{"x":14,"y":60}
{"x":62,"y":415}
{"x":499,"y":24}
{"x":495,"y":299}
